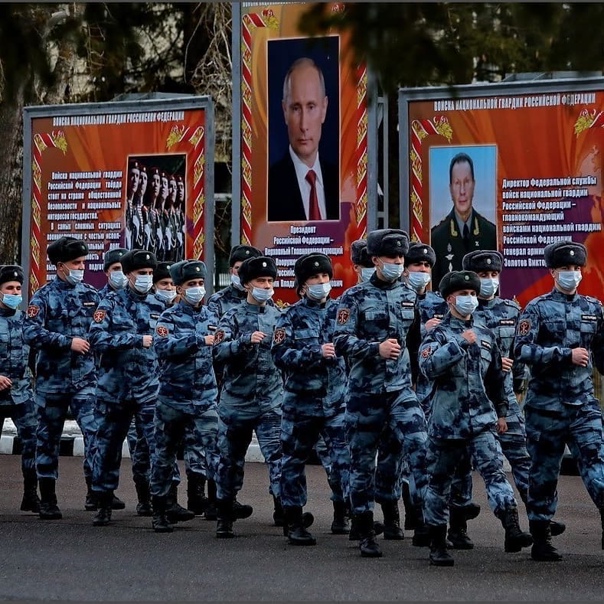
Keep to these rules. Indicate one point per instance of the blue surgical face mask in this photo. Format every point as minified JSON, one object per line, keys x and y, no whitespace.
{"x":392,"y":272}
{"x":366,"y":273}
{"x":569,"y":280}
{"x":262,"y":295}
{"x":75,"y":276}
{"x":167,"y":295}
{"x":237,"y":282}
{"x":194,"y":295}
{"x":143,"y":283}
{"x":466,"y":305}
{"x":418,"y":280}
{"x":318,"y":291}
{"x":118,"y":279}
{"x":12,"y":300}
{"x":488,"y":287}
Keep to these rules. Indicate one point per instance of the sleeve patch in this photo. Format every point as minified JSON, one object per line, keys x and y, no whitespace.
{"x":279,"y":335}
{"x":426,"y":352}
{"x":218,"y":336}
{"x":343,"y":316}
{"x":98,"y":316}
{"x":524,"y":327}
{"x":162,"y":331}
{"x":32,"y":311}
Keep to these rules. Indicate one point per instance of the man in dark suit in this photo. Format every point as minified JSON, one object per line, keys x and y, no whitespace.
{"x":463,"y":230}
{"x":301,"y":186}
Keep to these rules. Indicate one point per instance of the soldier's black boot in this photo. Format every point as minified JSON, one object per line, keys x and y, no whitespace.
{"x":368,"y":545}
{"x":117,"y":503}
{"x":90,"y":502}
{"x":340,"y":524}
{"x":392,"y":521}
{"x":515,"y":538}
{"x":160,"y":522}
{"x":197,"y":501}
{"x":30,"y":501}
{"x":143,"y":507}
{"x":471,"y":510}
{"x":557,"y":528}
{"x":224,"y":524}
{"x":458,"y":529}
{"x":354,"y":535}
{"x":210,"y":512}
{"x":242,"y":510}
{"x":307,"y":521}
{"x":174,"y":511}
{"x":103,"y":502}
{"x":421,"y":533}
{"x":278,"y":514}
{"x":296,"y":531}
{"x":49,"y":510}
{"x":439,"y":556}
{"x":543,"y":550}
{"x":410,"y":511}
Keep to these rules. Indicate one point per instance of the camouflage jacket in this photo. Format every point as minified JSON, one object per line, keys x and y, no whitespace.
{"x":14,"y":353}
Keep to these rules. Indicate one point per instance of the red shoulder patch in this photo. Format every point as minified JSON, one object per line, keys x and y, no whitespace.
{"x":218,"y":336}
{"x":162,"y":331}
{"x":32,"y":310}
{"x":426,"y":352}
{"x":279,"y":335}
{"x":524,"y":327}
{"x":98,"y":316}
{"x":343,"y":316}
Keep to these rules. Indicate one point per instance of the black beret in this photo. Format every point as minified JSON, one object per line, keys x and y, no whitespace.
{"x":242,"y":252}
{"x":387,"y":242}
{"x":359,"y":255}
{"x":260,"y":266}
{"x":113,"y":256}
{"x":564,"y":253}
{"x":11,"y":272}
{"x":310,"y":264}
{"x":186,"y":270}
{"x":483,"y":260}
{"x":66,"y":249}
{"x":134,"y":260}
{"x":420,"y":252}
{"x":458,"y":280}
{"x":162,"y":271}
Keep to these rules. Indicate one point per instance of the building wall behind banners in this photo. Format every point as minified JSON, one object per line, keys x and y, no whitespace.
{"x":537,"y":152}
{"x":79,"y":181}
{"x":270,"y":43}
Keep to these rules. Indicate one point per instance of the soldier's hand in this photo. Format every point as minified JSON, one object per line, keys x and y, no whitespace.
{"x":80,"y":345}
{"x":469,"y":336}
{"x":506,"y":363}
{"x":502,"y":425}
{"x":432,"y":323}
{"x":390,"y":349}
{"x":257,"y":337}
{"x":209,"y":339}
{"x":147,"y":341}
{"x":328,"y":351}
{"x":5,"y":383}
{"x":580,"y":356}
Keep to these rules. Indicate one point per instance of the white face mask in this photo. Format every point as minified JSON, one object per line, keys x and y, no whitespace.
{"x":418,"y":280}
{"x":392,"y":272}
{"x":237,"y":282}
{"x":466,"y":305}
{"x":12,"y":300}
{"x":569,"y":280}
{"x":194,"y":295}
{"x":262,"y":295}
{"x":366,"y":273}
{"x":143,"y":283}
{"x":318,"y":291}
{"x":118,"y":279}
{"x":488,"y":287}
{"x":75,"y":276}
{"x":167,"y":295}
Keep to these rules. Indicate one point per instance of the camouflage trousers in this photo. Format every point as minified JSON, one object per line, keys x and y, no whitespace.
{"x":172,"y":426}
{"x":24,"y":418}
{"x":234,"y":438}
{"x":579,"y":427}
{"x":398,"y":417}
{"x":443,"y":456}
{"x":52,"y":411}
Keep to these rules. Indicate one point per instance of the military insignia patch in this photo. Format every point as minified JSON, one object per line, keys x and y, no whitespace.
{"x":32,"y":311}
{"x":426,"y":352}
{"x":98,"y":316}
{"x":218,"y":336}
{"x":161,"y":331}
{"x":524,"y":327}
{"x":343,"y":316}
{"x":279,"y":335}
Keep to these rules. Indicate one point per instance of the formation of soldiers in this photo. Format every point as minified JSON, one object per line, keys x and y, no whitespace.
{"x":402,"y":391}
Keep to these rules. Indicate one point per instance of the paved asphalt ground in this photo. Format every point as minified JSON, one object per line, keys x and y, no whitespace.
{"x":71,"y":560}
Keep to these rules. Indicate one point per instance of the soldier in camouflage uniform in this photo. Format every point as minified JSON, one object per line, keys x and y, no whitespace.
{"x":58,"y":317}
{"x":378,"y":331}
{"x":122,"y":331}
{"x":313,"y":403}
{"x":467,"y":403}
{"x":252,"y":389}
{"x":186,"y":405}
{"x":560,"y":336}
{"x":16,"y":396}
{"x":112,"y":266}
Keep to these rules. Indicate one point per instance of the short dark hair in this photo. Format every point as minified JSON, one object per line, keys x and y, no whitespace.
{"x":460,"y":158}
{"x":302,"y":62}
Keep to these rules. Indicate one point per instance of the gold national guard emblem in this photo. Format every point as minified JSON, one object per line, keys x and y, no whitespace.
{"x":343,"y":316}
{"x":161,"y":331}
{"x":279,"y":335}
{"x":32,"y":311}
{"x":524,"y":327}
{"x":426,"y":352}
{"x":218,"y":336}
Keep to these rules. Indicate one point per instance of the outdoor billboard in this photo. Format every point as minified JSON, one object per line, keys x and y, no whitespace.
{"x":273,"y":147}
{"x":133,"y":174}
{"x":535,"y":149}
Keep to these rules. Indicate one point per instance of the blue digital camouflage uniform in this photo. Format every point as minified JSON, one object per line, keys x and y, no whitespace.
{"x":251,"y":395}
{"x":57,"y":313}
{"x":379,"y":391}
{"x":128,"y":378}
{"x":560,"y":406}
{"x":17,"y":402}
{"x":313,"y":402}
{"x":225,"y":299}
{"x":466,"y":379}
{"x":186,"y":405}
